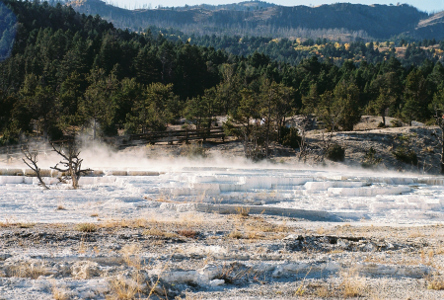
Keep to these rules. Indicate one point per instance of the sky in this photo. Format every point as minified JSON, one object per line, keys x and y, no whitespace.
{"x":423,"y":5}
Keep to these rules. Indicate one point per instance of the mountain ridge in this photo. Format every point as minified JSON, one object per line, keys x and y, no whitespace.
{"x":257,"y":17}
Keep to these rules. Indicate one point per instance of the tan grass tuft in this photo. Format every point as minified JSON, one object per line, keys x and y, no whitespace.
{"x":60,"y":293}
{"x":243,"y":211}
{"x":159,"y":233}
{"x":121,"y":289}
{"x":29,"y":270}
{"x":60,"y":207}
{"x":86,"y":227}
{"x":352,"y":285}
{"x":436,"y":283}
{"x":235,"y":234}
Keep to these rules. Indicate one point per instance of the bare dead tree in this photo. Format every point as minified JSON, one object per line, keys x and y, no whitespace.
{"x":31,"y":161}
{"x":71,"y":165}
{"x":303,"y":144}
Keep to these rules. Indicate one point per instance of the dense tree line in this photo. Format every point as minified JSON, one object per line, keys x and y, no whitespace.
{"x":293,"y":51}
{"x":71,"y":71}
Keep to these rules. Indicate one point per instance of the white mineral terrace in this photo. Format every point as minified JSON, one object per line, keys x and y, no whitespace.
{"x":311,"y":194}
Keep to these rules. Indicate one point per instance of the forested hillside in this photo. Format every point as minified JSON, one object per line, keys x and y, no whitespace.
{"x":293,"y":51}
{"x":69,"y":71}
{"x":349,"y":22}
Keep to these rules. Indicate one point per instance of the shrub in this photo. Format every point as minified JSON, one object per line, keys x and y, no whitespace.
{"x":188,"y":233}
{"x":396,"y":123}
{"x":408,"y":157}
{"x":335,"y":153}
{"x":86,"y":227}
{"x":370,"y":159}
{"x":290,"y":137}
{"x":235,"y":234}
{"x":196,"y":150}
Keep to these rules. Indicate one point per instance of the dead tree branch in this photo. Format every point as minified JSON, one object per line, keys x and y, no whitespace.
{"x":71,"y":165}
{"x":31,"y":161}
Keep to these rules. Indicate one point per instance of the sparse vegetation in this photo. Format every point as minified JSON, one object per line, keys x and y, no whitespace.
{"x":123,"y":289}
{"x":335,"y":152}
{"x":159,"y":233}
{"x":26,"y":225}
{"x":194,"y":150}
{"x":31,"y":270}
{"x":60,"y":293}
{"x":371,"y":160}
{"x":396,"y":123}
{"x":435,"y":282}
{"x":235,"y":234}
{"x":243,"y":211}
{"x":86,"y":227}
{"x":352,"y":285}
{"x":60,"y":207}
{"x":188,"y":233}
{"x":406,"y":156}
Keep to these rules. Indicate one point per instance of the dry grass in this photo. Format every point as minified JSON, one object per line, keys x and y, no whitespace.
{"x":133,"y":284}
{"x":188,"y":233}
{"x":416,"y":234}
{"x":159,"y":233}
{"x":435,"y":282}
{"x":123,"y":289}
{"x":86,"y":227}
{"x":376,"y":258}
{"x":83,"y":247}
{"x":60,"y":293}
{"x":84,"y":270}
{"x":131,"y":255}
{"x":235,"y":234}
{"x":321,"y":230}
{"x":322,"y":292}
{"x":243,"y":211}
{"x":164,"y":198}
{"x":25,"y":225}
{"x":190,"y":220}
{"x":352,"y":285}
{"x":141,"y":223}
{"x":253,"y":235}
{"x":114,"y":224}
{"x":259,"y":228}
{"x":427,"y":258}
{"x":302,"y":288}
{"x":28,"y":270}
{"x":439,"y":250}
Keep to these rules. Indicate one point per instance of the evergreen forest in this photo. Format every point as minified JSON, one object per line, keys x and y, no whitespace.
{"x":64,"y":71}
